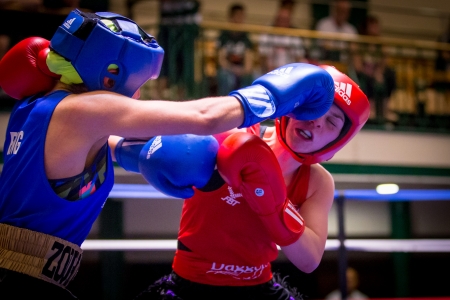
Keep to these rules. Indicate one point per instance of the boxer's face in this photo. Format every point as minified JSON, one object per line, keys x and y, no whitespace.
{"x":310,"y":136}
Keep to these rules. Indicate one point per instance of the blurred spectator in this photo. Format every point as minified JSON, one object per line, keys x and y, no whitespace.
{"x":442,"y":62}
{"x":8,"y":8}
{"x":289,"y":4}
{"x":60,"y":4}
{"x":26,"y":5}
{"x":352,"y":288}
{"x":235,"y":55}
{"x":178,"y":29}
{"x":371,"y":26}
{"x":336,"y":22}
{"x":65,"y":6}
{"x":278,"y":50}
{"x":4,"y":44}
{"x":373,"y":74}
{"x":441,"y":81}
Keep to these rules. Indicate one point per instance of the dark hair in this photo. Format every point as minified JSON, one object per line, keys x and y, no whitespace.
{"x":370,"y":19}
{"x":336,"y":1}
{"x":234,"y":8}
{"x":75,"y":88}
{"x":287,"y":3}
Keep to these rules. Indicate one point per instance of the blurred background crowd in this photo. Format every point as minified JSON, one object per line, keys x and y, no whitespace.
{"x":397,"y":51}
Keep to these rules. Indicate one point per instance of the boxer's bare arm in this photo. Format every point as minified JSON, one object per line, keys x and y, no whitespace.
{"x":82,"y":123}
{"x":106,"y":113}
{"x":307,"y":252}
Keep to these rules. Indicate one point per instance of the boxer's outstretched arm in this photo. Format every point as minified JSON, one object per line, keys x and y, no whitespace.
{"x":307,"y":92}
{"x":102,"y":113}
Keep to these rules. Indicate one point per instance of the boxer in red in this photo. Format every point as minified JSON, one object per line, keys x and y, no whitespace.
{"x":268,"y":189}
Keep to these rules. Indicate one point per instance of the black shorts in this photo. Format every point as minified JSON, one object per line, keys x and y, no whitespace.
{"x":14,"y":285}
{"x":174,"y":287}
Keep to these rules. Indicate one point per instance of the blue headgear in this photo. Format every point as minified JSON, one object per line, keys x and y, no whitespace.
{"x":91,"y":47}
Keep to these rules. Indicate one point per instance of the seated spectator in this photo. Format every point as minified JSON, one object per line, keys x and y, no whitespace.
{"x":4,"y":44}
{"x":60,"y":4}
{"x":4,"y":47}
{"x":279,"y":50}
{"x":352,"y":288}
{"x":235,"y":55}
{"x":442,"y":62}
{"x":374,"y":76}
{"x":178,"y":28}
{"x":289,"y":4}
{"x":371,"y":26}
{"x":23,"y":5}
{"x":336,"y":22}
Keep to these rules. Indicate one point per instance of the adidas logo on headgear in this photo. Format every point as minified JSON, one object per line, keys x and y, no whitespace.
{"x":344,"y":90}
{"x":68,"y":23}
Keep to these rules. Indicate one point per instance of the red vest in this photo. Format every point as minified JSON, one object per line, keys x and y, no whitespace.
{"x":227,"y":242}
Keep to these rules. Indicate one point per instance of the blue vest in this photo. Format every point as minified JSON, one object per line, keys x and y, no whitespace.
{"x":26,"y":197}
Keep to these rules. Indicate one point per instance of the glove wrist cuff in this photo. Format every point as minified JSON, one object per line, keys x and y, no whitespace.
{"x":257,"y":102}
{"x":286,"y":226}
{"x":291,"y":218}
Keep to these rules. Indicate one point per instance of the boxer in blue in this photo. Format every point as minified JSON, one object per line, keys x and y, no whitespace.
{"x":73,"y":93}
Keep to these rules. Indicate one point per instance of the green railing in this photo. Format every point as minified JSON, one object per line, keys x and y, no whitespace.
{"x":420,"y":97}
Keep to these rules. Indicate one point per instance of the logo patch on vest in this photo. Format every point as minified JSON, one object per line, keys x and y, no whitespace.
{"x":236,"y":271}
{"x":231,"y":199}
{"x":14,"y":145}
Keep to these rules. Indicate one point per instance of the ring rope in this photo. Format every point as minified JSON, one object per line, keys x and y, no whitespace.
{"x":146,"y":191}
{"x":365,"y":245}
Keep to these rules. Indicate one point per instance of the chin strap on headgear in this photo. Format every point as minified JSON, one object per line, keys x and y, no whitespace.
{"x":355,"y":105}
{"x":91,"y":47}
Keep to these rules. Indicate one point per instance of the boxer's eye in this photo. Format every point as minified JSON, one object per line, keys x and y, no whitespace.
{"x":109,"y":82}
{"x":331,"y":122}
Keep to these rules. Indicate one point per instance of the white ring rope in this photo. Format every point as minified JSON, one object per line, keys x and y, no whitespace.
{"x":365,"y":245}
{"x":128,"y":191}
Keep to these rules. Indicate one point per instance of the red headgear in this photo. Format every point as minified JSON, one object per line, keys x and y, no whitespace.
{"x":352,"y":101}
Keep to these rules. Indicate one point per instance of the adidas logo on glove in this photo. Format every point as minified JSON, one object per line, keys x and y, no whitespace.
{"x":157,"y":143}
{"x":284,"y":72}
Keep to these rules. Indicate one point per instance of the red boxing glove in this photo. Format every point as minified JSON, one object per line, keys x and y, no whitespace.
{"x":24,"y":71}
{"x":246,"y":162}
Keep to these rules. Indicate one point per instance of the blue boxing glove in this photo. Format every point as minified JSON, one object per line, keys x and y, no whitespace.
{"x":300,"y":90}
{"x":177,"y":163}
